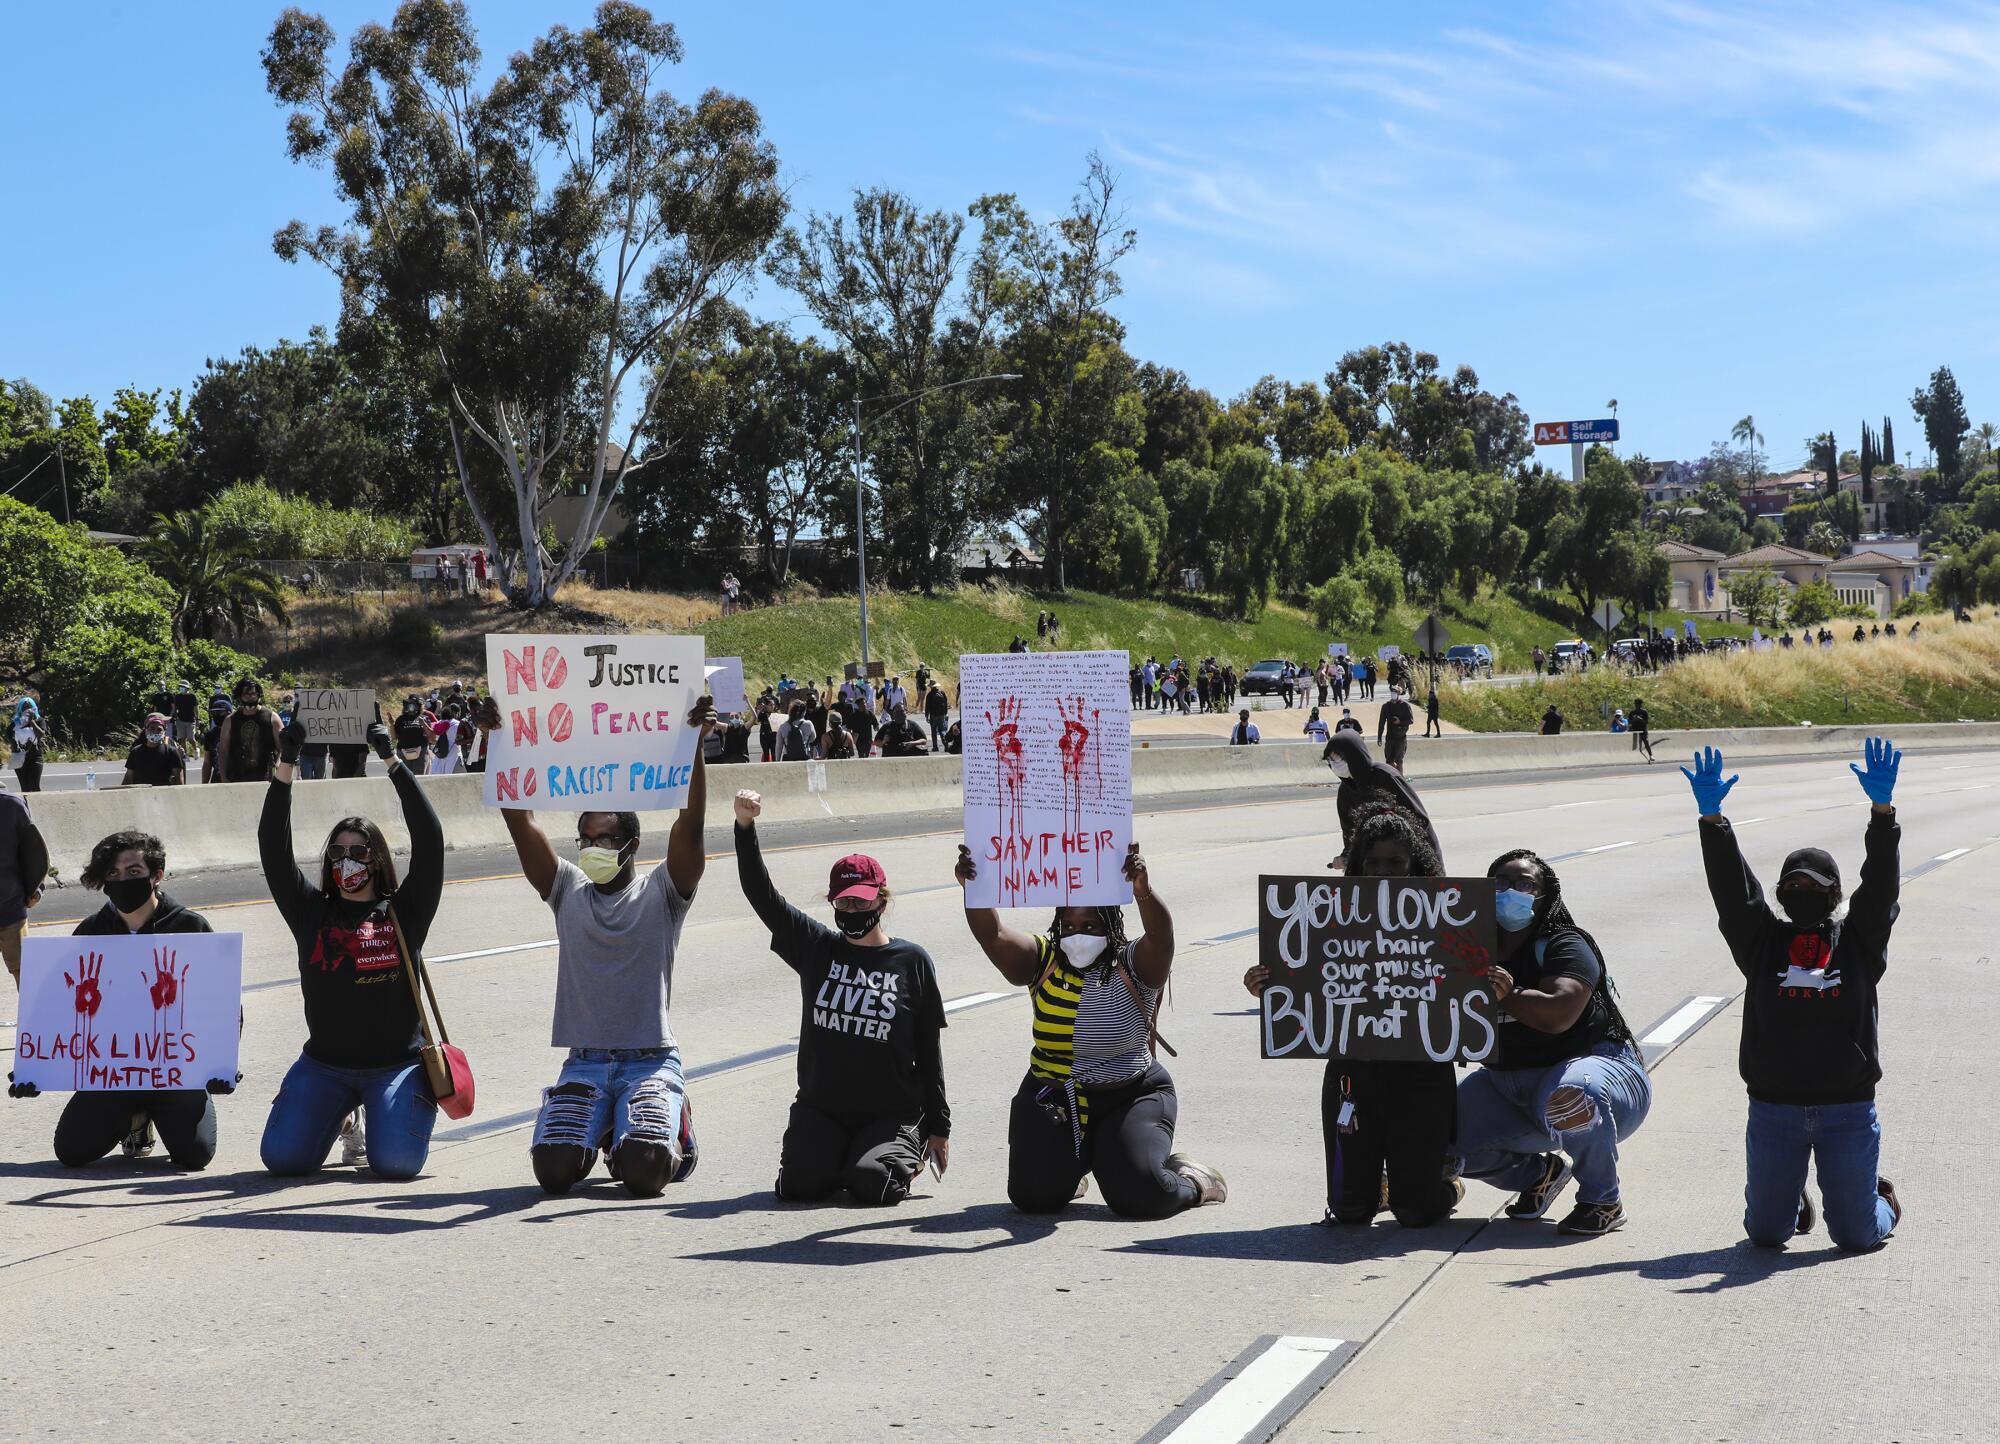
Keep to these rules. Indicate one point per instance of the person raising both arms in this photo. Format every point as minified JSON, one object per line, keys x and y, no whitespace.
{"x":618,"y":931}
{"x":354,"y":928}
{"x":1810,"y":1056}
{"x":1376,"y":1115}
{"x":130,"y":867}
{"x":1094,"y":1100}
{"x":871,"y":1106}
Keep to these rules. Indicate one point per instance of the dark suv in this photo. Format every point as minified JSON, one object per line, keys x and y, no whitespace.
{"x":1265,"y":679}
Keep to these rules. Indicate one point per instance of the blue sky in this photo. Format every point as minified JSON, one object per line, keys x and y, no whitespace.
{"x":1701,"y":210}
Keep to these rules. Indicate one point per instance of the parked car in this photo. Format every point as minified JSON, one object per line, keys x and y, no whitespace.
{"x":1264,"y":679}
{"x":1626,"y":648}
{"x":1475,"y":657}
{"x":1565,"y":655}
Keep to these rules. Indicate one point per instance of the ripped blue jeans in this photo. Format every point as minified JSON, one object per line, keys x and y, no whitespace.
{"x":616,"y":1093}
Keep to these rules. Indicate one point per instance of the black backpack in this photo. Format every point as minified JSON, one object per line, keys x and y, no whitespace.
{"x":795,"y":744}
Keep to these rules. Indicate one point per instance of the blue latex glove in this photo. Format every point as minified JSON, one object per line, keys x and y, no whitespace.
{"x":1707,"y":782}
{"x":1879,"y":781}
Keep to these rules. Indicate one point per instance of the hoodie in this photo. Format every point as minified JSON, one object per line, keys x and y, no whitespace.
{"x":1809,"y":1010}
{"x":1370,"y":781}
{"x":168,"y":917}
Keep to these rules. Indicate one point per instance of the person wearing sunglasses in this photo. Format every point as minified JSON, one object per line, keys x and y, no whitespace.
{"x":352,"y":928}
{"x":1095,"y":1100}
{"x":129,"y":867}
{"x":620,"y":1091}
{"x":871,"y":1107}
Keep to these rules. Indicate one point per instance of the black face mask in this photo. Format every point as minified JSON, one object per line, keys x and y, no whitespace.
{"x":857,"y":924}
{"x":1805,"y":906}
{"x":128,"y":894}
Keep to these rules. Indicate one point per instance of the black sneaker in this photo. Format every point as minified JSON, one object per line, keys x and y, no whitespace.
{"x":1808,"y":1215}
{"x":1591,"y":1219}
{"x":1535,"y":1201}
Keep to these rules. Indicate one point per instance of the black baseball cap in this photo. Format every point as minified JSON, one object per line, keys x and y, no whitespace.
{"x":1814,"y":862}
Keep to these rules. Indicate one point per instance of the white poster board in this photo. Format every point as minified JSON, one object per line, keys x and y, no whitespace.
{"x":1388,"y":650}
{"x":1048,"y":777}
{"x":332,"y":714}
{"x":592,"y":723}
{"x":138,"y":1011}
{"x":725,"y":684}
{"x":1336,"y":649}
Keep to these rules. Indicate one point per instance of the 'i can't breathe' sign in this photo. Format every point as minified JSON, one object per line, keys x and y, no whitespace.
{"x":592,"y":723}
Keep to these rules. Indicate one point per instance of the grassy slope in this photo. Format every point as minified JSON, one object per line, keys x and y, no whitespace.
{"x":1945,"y":674}
{"x":341,"y":640}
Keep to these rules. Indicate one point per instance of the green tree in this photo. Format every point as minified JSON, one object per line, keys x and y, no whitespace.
{"x":213,"y":585}
{"x":1397,"y":398}
{"x":1597,"y":545}
{"x":545,"y":237}
{"x":1249,"y":517}
{"x":1180,"y":420}
{"x":1811,"y":604}
{"x":1120,"y":539}
{"x":1826,"y":539}
{"x":1745,"y":434}
{"x":1759,"y":596}
{"x":1940,"y":406}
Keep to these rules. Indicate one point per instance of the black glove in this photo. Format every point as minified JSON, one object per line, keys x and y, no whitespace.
{"x":21,"y":1090}
{"x":223,"y":1085}
{"x":290,"y":740}
{"x":378,"y":738}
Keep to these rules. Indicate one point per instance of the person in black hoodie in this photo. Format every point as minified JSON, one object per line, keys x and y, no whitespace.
{"x":1365,"y":782}
{"x":871,"y":1109}
{"x":363,"y":1046}
{"x":1809,"y":1054}
{"x":129,"y":867}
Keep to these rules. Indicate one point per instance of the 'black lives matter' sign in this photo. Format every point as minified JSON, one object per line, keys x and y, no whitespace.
{"x":1391,"y":969}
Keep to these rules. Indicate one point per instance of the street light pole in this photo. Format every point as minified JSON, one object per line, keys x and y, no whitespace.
{"x":860,"y":526}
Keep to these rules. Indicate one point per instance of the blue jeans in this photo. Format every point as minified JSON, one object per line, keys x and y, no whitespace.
{"x":1509,"y":1117}
{"x":315,"y":1097}
{"x":606,"y":1095}
{"x":1846,"y":1140}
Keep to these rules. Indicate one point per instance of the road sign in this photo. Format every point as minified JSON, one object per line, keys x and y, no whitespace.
{"x":1432,"y":636}
{"x":1558,"y":433}
{"x":1607,"y":615}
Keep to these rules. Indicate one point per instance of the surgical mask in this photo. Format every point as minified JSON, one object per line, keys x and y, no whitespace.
{"x":1806,"y":906}
{"x":349,"y":875}
{"x":129,"y":894}
{"x":601,"y":864}
{"x":1083,"y":949}
{"x":1339,"y":766}
{"x":1514,"y":909}
{"x":154,"y":739}
{"x":857,"y":924}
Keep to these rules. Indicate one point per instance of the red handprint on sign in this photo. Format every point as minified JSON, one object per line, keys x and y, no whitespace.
{"x":89,"y":996}
{"x":165,"y":985}
{"x":1074,"y":738}
{"x":1007,"y":742}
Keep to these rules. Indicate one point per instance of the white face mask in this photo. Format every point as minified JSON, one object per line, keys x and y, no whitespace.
{"x":1083,"y":949}
{"x":1339,"y":766}
{"x":601,"y":864}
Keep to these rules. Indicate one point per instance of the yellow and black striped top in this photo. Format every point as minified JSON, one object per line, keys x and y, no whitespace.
{"x":1088,"y":1028}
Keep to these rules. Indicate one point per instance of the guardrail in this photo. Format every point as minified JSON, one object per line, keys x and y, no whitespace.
{"x":215,"y":826}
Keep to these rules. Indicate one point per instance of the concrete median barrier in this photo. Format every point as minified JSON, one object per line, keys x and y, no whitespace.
{"x":216,"y":826}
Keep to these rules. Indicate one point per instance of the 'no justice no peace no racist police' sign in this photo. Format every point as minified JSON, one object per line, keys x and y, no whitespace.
{"x":1389,"y":969}
{"x":592,"y":723}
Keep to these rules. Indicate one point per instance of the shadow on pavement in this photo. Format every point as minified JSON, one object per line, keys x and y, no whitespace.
{"x":375,"y":1213}
{"x":1286,"y":1242}
{"x":143,"y":1184}
{"x":840,"y":1247}
{"x":1736,"y":1266}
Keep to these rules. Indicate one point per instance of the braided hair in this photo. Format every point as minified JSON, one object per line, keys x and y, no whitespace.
{"x":1114,"y":929}
{"x":1386,"y":822}
{"x":1552,"y":920}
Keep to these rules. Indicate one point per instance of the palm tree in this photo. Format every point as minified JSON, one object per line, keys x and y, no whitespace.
{"x":1987,"y":433}
{"x":213,"y":584}
{"x":1746,"y":434}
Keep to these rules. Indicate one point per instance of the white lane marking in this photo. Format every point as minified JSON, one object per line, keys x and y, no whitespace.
{"x":1948,"y":856}
{"x":973,"y":1000}
{"x":1680,"y":1022}
{"x":491,"y":952}
{"x":1608,"y":847}
{"x":1747,"y":821}
{"x":1238,"y":1409}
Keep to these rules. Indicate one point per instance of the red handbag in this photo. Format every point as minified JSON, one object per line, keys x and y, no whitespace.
{"x":445,"y":1063}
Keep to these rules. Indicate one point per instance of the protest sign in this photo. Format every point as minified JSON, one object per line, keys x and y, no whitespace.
{"x":335,"y":715}
{"x":725,"y":684}
{"x":1336,"y":649}
{"x":1388,"y":650}
{"x":592,"y":724}
{"x":1391,"y":969}
{"x":133,"y":1011}
{"x":1048,"y":777}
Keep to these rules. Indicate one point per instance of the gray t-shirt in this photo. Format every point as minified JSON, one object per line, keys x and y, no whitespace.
{"x":615,"y":959}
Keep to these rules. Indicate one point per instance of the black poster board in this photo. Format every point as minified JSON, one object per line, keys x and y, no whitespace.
{"x":1390,"y":969}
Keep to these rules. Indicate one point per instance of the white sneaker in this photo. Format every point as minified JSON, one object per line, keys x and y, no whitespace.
{"x":353,"y":1142}
{"x":139,"y":1142}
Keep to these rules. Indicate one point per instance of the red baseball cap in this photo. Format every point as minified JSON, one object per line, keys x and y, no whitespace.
{"x":856,"y":875}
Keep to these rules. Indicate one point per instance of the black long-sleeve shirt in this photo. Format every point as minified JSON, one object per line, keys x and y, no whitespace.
{"x":360,"y":1011}
{"x":870,"y":1018}
{"x":1809,"y":1011}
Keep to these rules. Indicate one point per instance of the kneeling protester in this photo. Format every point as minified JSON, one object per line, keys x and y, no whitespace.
{"x":871,"y":1106}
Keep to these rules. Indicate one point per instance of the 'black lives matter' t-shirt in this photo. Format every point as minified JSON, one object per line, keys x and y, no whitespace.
{"x":870,"y":1017}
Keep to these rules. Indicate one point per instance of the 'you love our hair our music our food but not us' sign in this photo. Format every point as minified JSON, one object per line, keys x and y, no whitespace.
{"x":140,"y":1012}
{"x":592,"y":723}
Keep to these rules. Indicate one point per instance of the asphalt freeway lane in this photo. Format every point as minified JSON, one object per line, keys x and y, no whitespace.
{"x":721,"y":1315}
